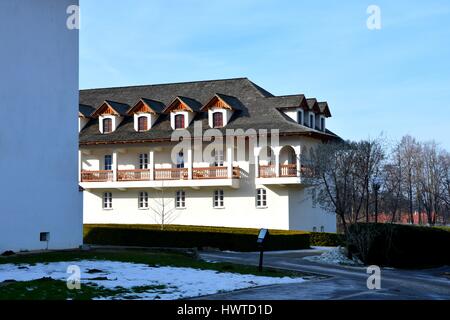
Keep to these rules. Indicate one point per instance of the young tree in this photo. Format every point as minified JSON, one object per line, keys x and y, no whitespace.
{"x":164,"y":209}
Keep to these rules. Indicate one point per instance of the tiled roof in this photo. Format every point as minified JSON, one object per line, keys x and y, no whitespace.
{"x":255,"y":108}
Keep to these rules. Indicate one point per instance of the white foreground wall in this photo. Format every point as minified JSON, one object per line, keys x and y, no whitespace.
{"x":39,"y":133}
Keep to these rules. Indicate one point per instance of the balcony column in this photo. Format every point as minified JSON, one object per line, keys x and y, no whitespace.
{"x":189,"y":163}
{"x":277,"y":151}
{"x":114,"y":165}
{"x":298,"y":155}
{"x":151,"y":164}
{"x":230,"y":162}
{"x":256,"y":152}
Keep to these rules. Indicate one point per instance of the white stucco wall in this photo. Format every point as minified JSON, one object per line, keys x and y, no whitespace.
{"x":288,"y":206}
{"x":39,"y":139}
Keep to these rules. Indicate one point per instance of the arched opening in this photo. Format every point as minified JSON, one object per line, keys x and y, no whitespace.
{"x":107,"y":125}
{"x":142,"y":123}
{"x":267,"y":163}
{"x":288,"y":162}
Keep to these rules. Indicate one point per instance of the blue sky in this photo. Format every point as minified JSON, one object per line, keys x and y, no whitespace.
{"x":395,"y":80}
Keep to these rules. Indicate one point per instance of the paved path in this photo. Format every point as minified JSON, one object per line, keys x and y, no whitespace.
{"x":339,"y":283}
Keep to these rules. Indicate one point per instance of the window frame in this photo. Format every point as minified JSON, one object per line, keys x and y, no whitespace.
{"x":180,"y":199}
{"x":107,"y":201}
{"x":145,"y":122}
{"x":108,"y":165}
{"x":220,"y":115}
{"x":300,"y":117}
{"x":176,"y":124}
{"x":110,"y":125}
{"x":261,"y":198}
{"x":143,"y":203}
{"x":219,"y":199}
{"x":219,"y":158}
{"x":312,"y":120}
{"x":143,"y":161}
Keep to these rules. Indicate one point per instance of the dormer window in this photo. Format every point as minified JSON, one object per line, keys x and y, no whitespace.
{"x":322,"y":123}
{"x":217,"y":120}
{"x":142,"y":123}
{"x":179,"y":121}
{"x":145,"y":113}
{"x":182,"y":111}
{"x":110,"y":114}
{"x":221,"y":109}
{"x":312,"y":122}
{"x":300,"y":117}
{"x":107,"y":125}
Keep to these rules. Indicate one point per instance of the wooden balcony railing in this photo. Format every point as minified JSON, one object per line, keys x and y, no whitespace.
{"x":97,"y":176}
{"x":288,"y":170}
{"x":133,"y":175}
{"x":171,"y":174}
{"x":270,"y":171}
{"x":160,"y":174}
{"x":210,"y":173}
{"x":267,"y":171}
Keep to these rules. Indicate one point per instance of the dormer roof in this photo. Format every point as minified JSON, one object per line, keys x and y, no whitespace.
{"x":183,"y":104}
{"x":147,"y":106}
{"x":113,"y":108}
{"x":324,"y":109}
{"x":223,"y":101}
{"x":290,"y":102}
{"x":313,"y":105}
{"x":85,"y":111}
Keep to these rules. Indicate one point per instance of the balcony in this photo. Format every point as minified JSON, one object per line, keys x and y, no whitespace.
{"x":97,"y":176}
{"x":287,"y":174}
{"x":159,"y":177}
{"x":286,"y":170}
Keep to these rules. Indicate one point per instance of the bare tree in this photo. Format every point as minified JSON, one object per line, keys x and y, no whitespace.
{"x":333,"y":172}
{"x":164,"y":209}
{"x":409,"y":152}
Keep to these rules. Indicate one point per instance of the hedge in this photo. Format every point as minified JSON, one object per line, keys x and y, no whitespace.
{"x":323,"y":239}
{"x":401,"y":246}
{"x":236,"y":239}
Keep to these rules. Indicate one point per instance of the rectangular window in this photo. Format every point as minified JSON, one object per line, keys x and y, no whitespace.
{"x":218,"y":200}
{"x":261,"y":198}
{"x":322,"y":124}
{"x":107,"y":200}
{"x":143,"y":200}
{"x":180,"y":199}
{"x":217,"y":120}
{"x":311,"y":121}
{"x":107,"y":125}
{"x":179,"y":121}
{"x":108,"y":162}
{"x":300,"y":117}
{"x":143,"y":161}
{"x":218,"y":158}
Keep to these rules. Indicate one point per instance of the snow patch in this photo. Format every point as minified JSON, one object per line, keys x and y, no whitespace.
{"x":335,"y":256}
{"x":179,"y":282}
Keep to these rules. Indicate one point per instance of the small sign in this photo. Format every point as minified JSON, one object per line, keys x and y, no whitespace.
{"x":262,"y":235}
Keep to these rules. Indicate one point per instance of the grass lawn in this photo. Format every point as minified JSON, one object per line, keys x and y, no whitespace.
{"x":49,"y":289}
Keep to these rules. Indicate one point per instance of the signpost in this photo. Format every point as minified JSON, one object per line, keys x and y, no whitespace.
{"x":262,"y":237}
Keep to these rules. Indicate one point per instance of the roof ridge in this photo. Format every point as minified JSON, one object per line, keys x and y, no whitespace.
{"x":164,"y":84}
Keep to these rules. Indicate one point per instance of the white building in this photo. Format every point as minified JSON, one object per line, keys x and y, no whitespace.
{"x":41,"y":206}
{"x":130,"y":164}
